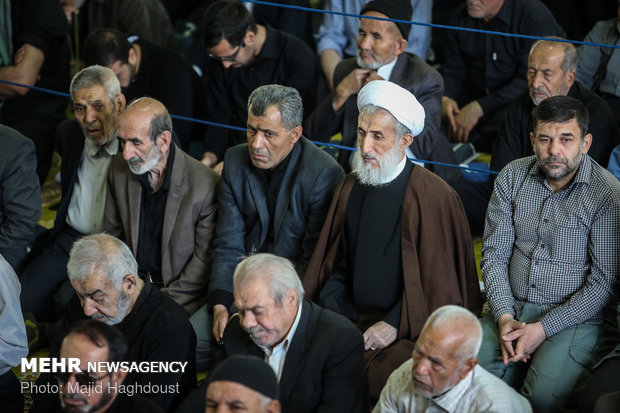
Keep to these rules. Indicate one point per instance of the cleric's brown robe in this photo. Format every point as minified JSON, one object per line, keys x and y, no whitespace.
{"x":438,"y":260}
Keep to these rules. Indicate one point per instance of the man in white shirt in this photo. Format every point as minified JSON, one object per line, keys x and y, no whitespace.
{"x":443,"y":374}
{"x":317,"y":355}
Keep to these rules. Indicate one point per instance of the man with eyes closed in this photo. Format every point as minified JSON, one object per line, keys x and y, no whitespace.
{"x":86,"y":145}
{"x":273,"y":196}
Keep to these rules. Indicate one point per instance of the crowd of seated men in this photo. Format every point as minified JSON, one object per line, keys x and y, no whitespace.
{"x":302,"y":279}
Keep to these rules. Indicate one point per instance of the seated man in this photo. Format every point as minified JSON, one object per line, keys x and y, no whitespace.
{"x":103,"y":273}
{"x":86,"y":145}
{"x":94,"y":391}
{"x":316,"y":354}
{"x":337,"y":34}
{"x":274,"y":195}
{"x":393,"y":218}
{"x":381,"y":55}
{"x":550,"y":72}
{"x":550,"y":261}
{"x":13,"y":341}
{"x":443,"y":373}
{"x":162,"y":203}
{"x":251,"y":55}
{"x":145,"y":69}
{"x":244,"y":382}
{"x":482,"y":73}
{"x":20,"y":196}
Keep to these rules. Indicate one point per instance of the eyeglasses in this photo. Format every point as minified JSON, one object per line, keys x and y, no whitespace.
{"x":83,"y":379}
{"x":230,"y":58}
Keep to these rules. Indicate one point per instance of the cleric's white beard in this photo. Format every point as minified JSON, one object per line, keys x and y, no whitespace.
{"x":388,"y":164}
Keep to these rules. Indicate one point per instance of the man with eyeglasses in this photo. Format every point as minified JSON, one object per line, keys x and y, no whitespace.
{"x":93,"y":342}
{"x":251,"y":55}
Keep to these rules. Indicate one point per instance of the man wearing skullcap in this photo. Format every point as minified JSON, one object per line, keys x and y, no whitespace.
{"x":244,"y":382}
{"x":395,"y":244}
{"x":381,"y":54}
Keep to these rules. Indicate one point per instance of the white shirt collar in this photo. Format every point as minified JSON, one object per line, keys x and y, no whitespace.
{"x":397,"y":171}
{"x":385,"y":71}
{"x":450,"y":399}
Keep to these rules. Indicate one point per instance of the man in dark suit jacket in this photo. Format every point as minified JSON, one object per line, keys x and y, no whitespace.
{"x":316,"y":354}
{"x":20,"y":195}
{"x":162,"y":203}
{"x":384,"y":58}
{"x":86,"y":145}
{"x":274,"y":195}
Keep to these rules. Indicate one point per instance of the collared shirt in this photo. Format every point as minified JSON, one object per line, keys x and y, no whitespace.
{"x":492,"y":69}
{"x":339,"y":32}
{"x":13,"y":341}
{"x":479,"y":391}
{"x":385,"y":71}
{"x":87,"y":204}
{"x":603,"y":32}
{"x":276,"y":356}
{"x":555,"y":249}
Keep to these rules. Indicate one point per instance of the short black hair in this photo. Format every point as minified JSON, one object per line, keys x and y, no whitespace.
{"x":226,"y":19}
{"x":101,"y":335}
{"x":561,"y":109}
{"x":105,"y":46}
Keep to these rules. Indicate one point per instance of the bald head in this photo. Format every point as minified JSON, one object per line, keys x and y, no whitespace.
{"x":551,"y":69}
{"x":152,"y":111}
{"x":461,"y":325}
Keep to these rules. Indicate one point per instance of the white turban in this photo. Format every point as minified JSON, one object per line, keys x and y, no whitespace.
{"x":396,"y":100}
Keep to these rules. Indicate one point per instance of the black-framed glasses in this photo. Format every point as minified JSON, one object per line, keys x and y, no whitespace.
{"x":83,"y":379}
{"x":230,"y":58}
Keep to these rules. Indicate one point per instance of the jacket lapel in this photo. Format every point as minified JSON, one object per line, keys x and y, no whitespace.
{"x":260,"y":201}
{"x":134,"y":196}
{"x":284,"y":195}
{"x":294,"y":362}
{"x":178,"y":186}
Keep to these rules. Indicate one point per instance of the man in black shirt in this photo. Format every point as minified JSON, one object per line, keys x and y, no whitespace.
{"x":161,"y":202}
{"x":145,"y":69}
{"x":482,"y":72}
{"x":252,"y":55}
{"x":551,"y":72}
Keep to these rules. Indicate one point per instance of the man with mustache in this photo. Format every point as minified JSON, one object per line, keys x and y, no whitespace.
{"x":104,"y":276}
{"x":381,"y":55}
{"x":163,"y":204}
{"x":86,"y":145}
{"x":443,"y":373}
{"x":317,"y":355}
{"x":550,"y":262}
{"x":81,"y":392}
{"x":395,"y":244}
{"x":550,"y":72}
{"x":273,"y":197}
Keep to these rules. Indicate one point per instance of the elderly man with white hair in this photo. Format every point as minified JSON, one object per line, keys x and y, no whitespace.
{"x":395,"y":244}
{"x":443,"y":372}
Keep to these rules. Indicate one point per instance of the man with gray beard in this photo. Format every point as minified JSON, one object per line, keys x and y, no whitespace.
{"x":104,"y":275}
{"x":381,"y":55}
{"x":395,"y":244}
{"x":162,"y":203}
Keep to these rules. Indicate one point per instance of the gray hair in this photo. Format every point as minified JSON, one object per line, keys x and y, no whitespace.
{"x":466,"y":323}
{"x":101,"y":253}
{"x":277,"y":272}
{"x":96,"y":75}
{"x":287,"y":100}
{"x":569,"y":61}
{"x":399,"y":129}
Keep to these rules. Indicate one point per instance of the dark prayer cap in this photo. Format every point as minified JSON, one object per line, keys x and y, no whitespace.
{"x":393,"y":9}
{"x":249,"y":371}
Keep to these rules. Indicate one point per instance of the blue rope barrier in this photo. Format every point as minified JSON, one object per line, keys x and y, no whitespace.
{"x":438,"y":26}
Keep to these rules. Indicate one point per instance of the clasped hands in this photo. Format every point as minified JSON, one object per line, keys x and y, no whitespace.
{"x":462,"y":120}
{"x":518,"y":340}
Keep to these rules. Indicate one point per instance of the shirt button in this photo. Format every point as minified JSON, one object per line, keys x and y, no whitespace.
{"x":542,"y":246}
{"x":533,"y":285}
{"x":545,"y":220}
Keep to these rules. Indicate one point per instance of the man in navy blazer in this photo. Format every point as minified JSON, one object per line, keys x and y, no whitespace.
{"x":273,"y":196}
{"x":316,"y":354}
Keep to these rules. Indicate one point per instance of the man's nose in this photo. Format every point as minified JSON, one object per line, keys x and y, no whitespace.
{"x":128,"y":151}
{"x":247,"y":320}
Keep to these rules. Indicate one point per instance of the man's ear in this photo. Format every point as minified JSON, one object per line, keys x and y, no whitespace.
{"x":129,"y":283}
{"x":405,"y":141}
{"x":133,"y":57}
{"x":164,"y":140}
{"x":467,"y":367}
{"x":273,"y":406}
{"x":532,"y":139}
{"x":120,"y":103}
{"x":401,"y":45}
{"x":587,"y":142}
{"x":296,"y":133}
{"x":249,"y":37}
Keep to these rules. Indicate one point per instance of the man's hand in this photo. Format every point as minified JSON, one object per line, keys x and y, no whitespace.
{"x":220,"y":319}
{"x":348,"y":86}
{"x":373,"y":75}
{"x":466,"y":119}
{"x":449,"y":109}
{"x":379,"y":335}
{"x":209,"y":159}
{"x":218,"y":168}
{"x":507,"y":324}
{"x":528,"y":339}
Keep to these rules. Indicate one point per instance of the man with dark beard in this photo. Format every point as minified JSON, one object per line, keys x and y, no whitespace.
{"x":550,"y":262}
{"x":395,"y":244}
{"x":104,"y":275}
{"x":381,"y":55}
{"x":162,"y":203}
